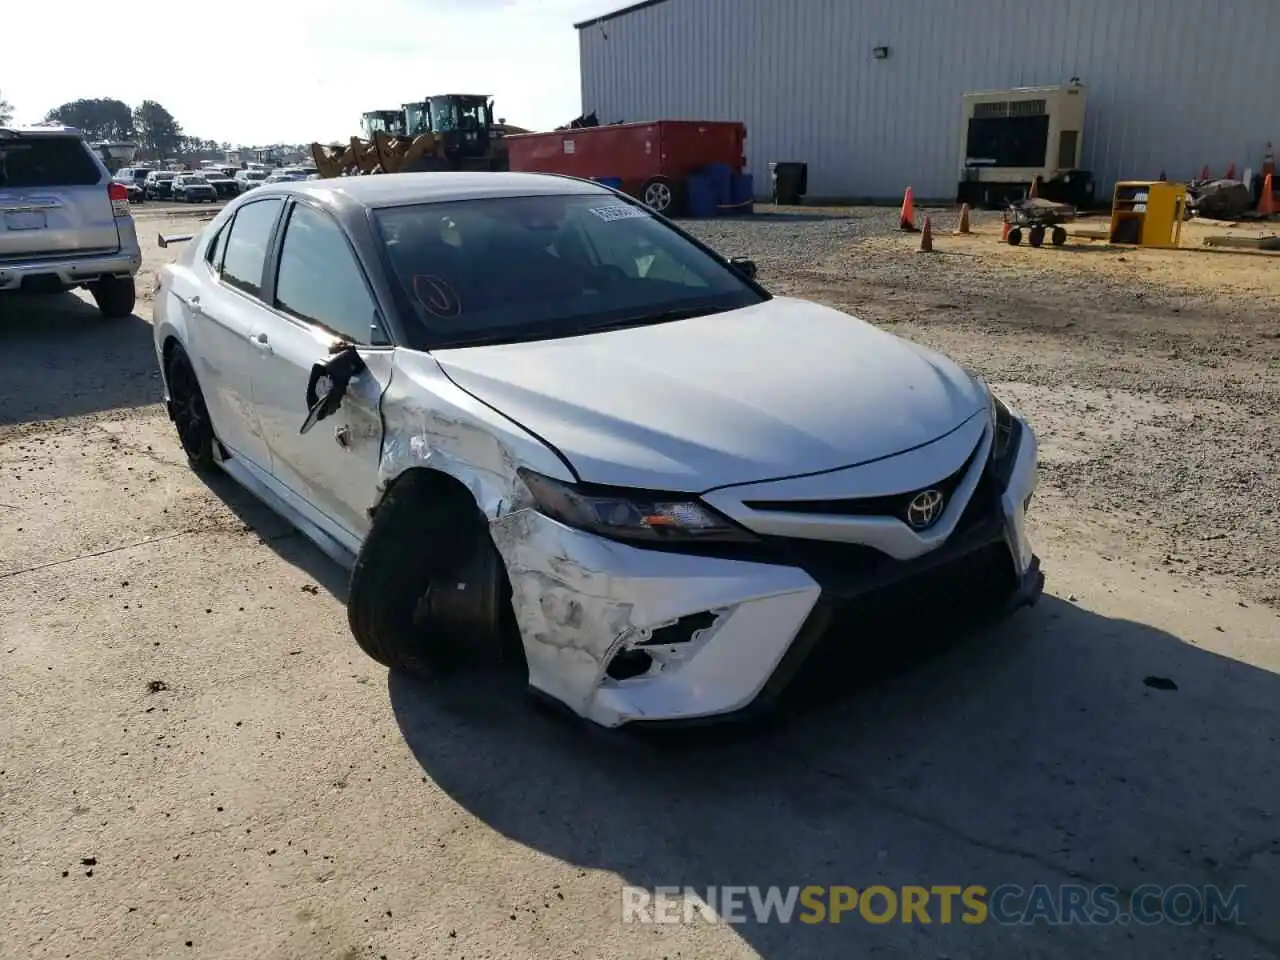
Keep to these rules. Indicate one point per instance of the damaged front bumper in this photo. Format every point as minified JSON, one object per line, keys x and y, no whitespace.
{"x":620,"y":633}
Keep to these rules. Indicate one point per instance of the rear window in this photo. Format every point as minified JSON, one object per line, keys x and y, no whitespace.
{"x":34,"y":161}
{"x":528,"y":268}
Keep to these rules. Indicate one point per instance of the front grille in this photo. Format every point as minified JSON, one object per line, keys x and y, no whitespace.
{"x":934,"y":596}
{"x":874,"y":634}
{"x":891,"y":505}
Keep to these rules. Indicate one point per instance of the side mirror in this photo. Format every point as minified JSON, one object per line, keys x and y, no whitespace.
{"x":744,"y":266}
{"x":328,"y":382}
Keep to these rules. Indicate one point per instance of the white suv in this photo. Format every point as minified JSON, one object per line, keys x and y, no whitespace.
{"x":64,"y":222}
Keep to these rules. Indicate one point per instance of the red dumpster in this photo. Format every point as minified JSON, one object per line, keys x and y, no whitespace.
{"x":652,"y":160}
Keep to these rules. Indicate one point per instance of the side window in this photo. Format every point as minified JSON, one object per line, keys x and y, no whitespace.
{"x":213,"y":256}
{"x":245,"y":252}
{"x":319,"y":280}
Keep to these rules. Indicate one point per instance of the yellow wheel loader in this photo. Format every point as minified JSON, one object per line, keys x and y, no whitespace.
{"x":453,"y":131}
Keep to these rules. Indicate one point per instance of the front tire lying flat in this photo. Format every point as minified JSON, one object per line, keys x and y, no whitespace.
{"x":428,"y":591}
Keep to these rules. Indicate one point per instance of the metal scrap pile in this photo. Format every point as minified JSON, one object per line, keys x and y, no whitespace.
{"x":1219,"y":199}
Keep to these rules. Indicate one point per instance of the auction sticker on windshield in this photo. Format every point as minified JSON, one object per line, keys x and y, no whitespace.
{"x":619,"y":211}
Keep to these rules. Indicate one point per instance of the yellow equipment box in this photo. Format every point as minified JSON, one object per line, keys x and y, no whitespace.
{"x":1148,"y":213}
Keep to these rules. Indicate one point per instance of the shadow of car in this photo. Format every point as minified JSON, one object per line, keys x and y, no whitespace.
{"x":1031,"y":753}
{"x":60,"y":358}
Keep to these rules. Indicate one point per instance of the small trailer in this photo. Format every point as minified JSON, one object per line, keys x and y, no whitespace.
{"x":1038,"y":216}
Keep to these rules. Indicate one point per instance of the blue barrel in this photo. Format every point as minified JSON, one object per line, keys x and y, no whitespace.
{"x":614,"y":182}
{"x":742,"y":192}
{"x":721,"y":176}
{"x":700,"y":196}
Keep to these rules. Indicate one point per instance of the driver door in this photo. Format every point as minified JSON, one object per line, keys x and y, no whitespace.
{"x":320,"y":299}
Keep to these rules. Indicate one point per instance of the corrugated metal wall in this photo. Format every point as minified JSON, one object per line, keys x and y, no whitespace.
{"x":1171,"y":84}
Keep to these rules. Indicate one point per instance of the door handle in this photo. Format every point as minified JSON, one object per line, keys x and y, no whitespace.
{"x":194,"y":304}
{"x":261,"y":341}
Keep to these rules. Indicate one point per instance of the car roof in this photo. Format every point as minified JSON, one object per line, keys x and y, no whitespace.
{"x":395,"y":189}
{"x":56,"y":129}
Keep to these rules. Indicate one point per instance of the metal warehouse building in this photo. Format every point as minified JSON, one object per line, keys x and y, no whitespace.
{"x":1171,"y":85}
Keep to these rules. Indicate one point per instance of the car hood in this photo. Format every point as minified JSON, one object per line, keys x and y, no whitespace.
{"x":778,"y":389}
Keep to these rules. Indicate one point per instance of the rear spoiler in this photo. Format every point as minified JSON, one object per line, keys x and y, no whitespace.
{"x":166,"y":239}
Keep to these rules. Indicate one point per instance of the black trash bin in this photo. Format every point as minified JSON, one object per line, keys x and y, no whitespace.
{"x":790,"y":182}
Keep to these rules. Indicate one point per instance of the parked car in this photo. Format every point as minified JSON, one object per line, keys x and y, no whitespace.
{"x":137,"y":175}
{"x":538,"y":421}
{"x":159,"y":184}
{"x":193,"y":188}
{"x":224,"y":186}
{"x":64,"y":222}
{"x":246,"y":180}
{"x":286,"y":175}
{"x":135,"y":191}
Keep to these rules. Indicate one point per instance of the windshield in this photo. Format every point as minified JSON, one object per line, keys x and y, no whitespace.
{"x":165,"y":176}
{"x":416,"y":119}
{"x":254,"y":175}
{"x":529,"y":268}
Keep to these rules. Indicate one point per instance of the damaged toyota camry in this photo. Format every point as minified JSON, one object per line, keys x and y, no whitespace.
{"x":542,"y":425}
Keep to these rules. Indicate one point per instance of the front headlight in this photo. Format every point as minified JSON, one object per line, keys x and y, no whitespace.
{"x":1006,"y":432}
{"x":622,"y":514}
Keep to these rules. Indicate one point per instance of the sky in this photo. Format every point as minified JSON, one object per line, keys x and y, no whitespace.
{"x":259,"y":72}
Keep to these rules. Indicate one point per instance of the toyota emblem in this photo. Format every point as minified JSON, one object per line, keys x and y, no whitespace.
{"x":924,"y":509}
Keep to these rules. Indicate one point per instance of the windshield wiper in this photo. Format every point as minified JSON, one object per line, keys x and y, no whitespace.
{"x":660,"y":316}
{"x":493,"y":340}
{"x":523,"y":336}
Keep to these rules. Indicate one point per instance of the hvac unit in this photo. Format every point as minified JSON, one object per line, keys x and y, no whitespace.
{"x":1011,"y":137}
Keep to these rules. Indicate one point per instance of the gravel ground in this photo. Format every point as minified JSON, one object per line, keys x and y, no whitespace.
{"x":197,"y":762}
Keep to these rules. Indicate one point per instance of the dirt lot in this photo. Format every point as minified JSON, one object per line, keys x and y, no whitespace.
{"x":196,"y":761}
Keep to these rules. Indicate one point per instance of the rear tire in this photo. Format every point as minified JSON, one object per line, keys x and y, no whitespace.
{"x":115,"y":296}
{"x":190,"y":415}
{"x":424,"y":539}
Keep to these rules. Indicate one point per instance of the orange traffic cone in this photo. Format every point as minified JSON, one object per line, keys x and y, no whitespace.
{"x":964,"y":219}
{"x":1266,"y":202}
{"x":926,"y":237}
{"x":1004,"y":232}
{"x":1035,"y":189}
{"x":1231,"y":171}
{"x":1206,"y":173}
{"x":908,"y":219}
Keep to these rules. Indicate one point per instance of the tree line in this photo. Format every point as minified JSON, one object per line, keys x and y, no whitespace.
{"x":149,"y":125}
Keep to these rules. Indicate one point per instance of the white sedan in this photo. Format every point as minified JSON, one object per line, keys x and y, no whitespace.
{"x":542,"y":425}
